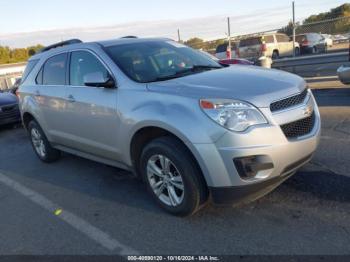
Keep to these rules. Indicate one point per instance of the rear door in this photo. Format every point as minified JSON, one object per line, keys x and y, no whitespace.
{"x":250,"y":48}
{"x":50,"y":94}
{"x":284,"y":45}
{"x":92,"y":119}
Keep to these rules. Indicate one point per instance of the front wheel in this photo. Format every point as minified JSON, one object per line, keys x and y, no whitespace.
{"x":41,"y":145}
{"x":172,"y":177}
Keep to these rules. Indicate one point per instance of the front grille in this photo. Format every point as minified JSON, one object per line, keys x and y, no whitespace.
{"x":10,"y":111}
{"x":288,"y":102}
{"x":299,"y":128}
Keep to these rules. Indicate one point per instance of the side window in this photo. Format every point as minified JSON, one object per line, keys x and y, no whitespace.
{"x":55,"y":70}
{"x":83,"y":63}
{"x":282,"y":38}
{"x":269,"y":39}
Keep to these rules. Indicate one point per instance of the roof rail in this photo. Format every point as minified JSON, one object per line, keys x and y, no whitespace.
{"x":60,"y":44}
{"x":129,"y":36}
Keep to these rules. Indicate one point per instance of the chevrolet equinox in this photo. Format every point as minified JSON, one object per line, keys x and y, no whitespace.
{"x":193,"y":130}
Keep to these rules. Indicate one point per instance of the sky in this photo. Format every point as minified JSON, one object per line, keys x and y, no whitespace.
{"x":29,"y":22}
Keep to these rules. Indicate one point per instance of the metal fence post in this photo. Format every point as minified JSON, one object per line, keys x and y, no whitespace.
{"x":229,"y":37}
{"x":294,"y":29}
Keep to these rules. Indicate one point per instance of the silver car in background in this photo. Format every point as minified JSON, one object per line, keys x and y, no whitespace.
{"x":192,"y":129}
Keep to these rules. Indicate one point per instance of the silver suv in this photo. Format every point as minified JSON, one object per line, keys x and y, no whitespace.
{"x":192,"y":129}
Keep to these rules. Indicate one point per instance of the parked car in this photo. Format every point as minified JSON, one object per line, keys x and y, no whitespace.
{"x":339,"y":39}
{"x":9,"y":111}
{"x":192,"y":129}
{"x":272,"y":45}
{"x":344,"y":74}
{"x":227,"y":61}
{"x":15,"y":86}
{"x":328,"y":40}
{"x":236,"y":61}
{"x":221,"y":50}
{"x":311,"y":43}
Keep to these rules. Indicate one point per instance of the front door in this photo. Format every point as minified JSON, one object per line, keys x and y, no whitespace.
{"x":92,"y":118}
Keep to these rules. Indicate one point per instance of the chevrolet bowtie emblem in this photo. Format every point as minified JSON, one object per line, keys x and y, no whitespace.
{"x":308,"y":110}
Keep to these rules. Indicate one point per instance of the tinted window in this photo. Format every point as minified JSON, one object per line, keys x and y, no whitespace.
{"x":83,"y":63}
{"x":55,"y":70}
{"x":282,"y":38}
{"x":223,"y":47}
{"x":155,"y":60}
{"x":31,"y":64}
{"x":301,"y":38}
{"x":269,"y":39}
{"x":250,"y":42}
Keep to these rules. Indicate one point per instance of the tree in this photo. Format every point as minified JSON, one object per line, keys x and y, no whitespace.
{"x":16,"y":55}
{"x":288,"y":30}
{"x":32,"y":50}
{"x":196,"y":43}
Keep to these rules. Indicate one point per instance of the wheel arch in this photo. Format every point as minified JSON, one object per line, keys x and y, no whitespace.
{"x":142,"y":136}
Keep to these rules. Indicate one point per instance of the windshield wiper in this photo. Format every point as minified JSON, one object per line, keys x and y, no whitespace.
{"x":194,"y":69}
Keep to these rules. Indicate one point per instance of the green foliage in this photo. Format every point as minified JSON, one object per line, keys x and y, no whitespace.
{"x":198,"y":43}
{"x":340,"y":11}
{"x":195,"y":42}
{"x":16,"y":55}
{"x":288,"y":30}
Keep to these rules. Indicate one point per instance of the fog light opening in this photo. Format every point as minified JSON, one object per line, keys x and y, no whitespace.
{"x":249,"y":167}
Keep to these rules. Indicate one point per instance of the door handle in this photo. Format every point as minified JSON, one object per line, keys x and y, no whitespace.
{"x":71,"y":98}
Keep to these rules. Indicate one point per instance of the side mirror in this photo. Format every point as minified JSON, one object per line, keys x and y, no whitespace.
{"x":98,"y":79}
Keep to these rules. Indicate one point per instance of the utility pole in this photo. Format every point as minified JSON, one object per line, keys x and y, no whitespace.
{"x":294,"y":29}
{"x":178,"y":35}
{"x":229,"y":37}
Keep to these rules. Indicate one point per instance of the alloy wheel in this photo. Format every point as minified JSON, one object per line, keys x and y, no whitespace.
{"x":165,"y":180}
{"x":38,"y":142}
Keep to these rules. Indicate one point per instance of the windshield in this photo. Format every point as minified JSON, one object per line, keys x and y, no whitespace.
{"x":152,"y":61}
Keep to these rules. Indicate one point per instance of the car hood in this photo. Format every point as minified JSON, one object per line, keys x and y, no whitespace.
{"x":7,"y":99}
{"x":253,"y":84}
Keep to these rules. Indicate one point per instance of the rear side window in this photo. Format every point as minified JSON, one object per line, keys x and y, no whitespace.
{"x":29,"y":68}
{"x":269,"y":39}
{"x":282,"y":38}
{"x":223,"y":47}
{"x":55,"y":70}
{"x":301,"y":38}
{"x":83,"y":63}
{"x":250,"y":42}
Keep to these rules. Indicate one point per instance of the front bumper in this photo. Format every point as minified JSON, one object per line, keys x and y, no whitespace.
{"x":269,"y":143}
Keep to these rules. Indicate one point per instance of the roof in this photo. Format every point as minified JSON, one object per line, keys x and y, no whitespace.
{"x":106,"y":43}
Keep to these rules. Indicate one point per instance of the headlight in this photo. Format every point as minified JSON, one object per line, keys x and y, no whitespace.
{"x":232,"y":114}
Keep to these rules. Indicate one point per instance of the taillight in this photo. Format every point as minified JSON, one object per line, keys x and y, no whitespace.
{"x":305,"y":42}
{"x":263,"y":48}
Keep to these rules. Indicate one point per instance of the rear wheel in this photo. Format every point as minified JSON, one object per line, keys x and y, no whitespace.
{"x":41,"y":145}
{"x":314,"y":50}
{"x":172,"y":177}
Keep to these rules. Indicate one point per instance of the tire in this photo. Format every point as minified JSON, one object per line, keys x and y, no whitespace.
{"x":275,"y":55}
{"x":41,"y":145}
{"x":314,"y":50}
{"x":183,"y":172}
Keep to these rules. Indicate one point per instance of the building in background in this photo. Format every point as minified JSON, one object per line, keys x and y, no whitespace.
{"x":9,"y":73}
